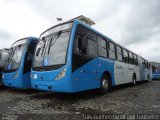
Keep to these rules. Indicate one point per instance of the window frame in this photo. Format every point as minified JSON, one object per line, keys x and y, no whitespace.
{"x":135,"y":59}
{"x":87,"y":37}
{"x":124,"y":56}
{"x":117,"y":53}
{"x":99,"y":37}
{"x":112,"y":50}
{"x":131,"y":60}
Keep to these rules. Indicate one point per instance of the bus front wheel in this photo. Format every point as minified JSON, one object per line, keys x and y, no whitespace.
{"x":105,"y":84}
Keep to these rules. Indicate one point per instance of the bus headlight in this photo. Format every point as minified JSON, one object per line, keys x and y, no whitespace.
{"x":15,"y":76}
{"x":61,"y":74}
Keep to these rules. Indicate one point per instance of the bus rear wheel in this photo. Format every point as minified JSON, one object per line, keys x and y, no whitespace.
{"x":105,"y":84}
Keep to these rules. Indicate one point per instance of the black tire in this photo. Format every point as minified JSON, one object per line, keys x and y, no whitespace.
{"x":105,"y":84}
{"x":134,"y":80}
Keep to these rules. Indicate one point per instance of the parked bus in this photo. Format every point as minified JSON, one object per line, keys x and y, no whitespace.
{"x":155,"y":75}
{"x":3,"y":57}
{"x":73,"y":57}
{"x":155,"y":71}
{"x":16,"y":71}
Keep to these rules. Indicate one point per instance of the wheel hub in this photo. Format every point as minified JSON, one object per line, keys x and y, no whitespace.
{"x":105,"y":83}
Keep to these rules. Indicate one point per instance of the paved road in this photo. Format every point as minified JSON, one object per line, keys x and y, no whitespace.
{"x":17,"y":104}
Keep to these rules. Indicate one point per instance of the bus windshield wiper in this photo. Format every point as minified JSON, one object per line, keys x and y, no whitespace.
{"x":43,"y":47}
{"x":13,"y":52}
{"x":55,"y":39}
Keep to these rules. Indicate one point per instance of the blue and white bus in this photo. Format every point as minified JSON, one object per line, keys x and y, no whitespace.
{"x":155,"y":75}
{"x":16,"y":72}
{"x":73,"y":57}
{"x":155,"y":71}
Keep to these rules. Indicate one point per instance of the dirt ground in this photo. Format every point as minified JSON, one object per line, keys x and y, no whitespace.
{"x":125,"y":101}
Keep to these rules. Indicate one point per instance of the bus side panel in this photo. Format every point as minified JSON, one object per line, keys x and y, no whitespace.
{"x":148,"y":74}
{"x":106,"y":65}
{"x":91,"y":78}
{"x":123,"y":72}
{"x":137,"y":72}
{"x":121,"y":75}
{"x":86,"y":77}
{"x":26,"y":80}
{"x":10,"y":81}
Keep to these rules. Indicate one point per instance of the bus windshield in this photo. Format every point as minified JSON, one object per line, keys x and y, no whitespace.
{"x":52,"y":48}
{"x":14,"y":57}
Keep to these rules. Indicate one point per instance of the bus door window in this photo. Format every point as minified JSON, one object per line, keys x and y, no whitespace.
{"x":85,"y":47}
{"x":29,"y":55}
{"x":119,"y":53}
{"x":125,"y":56}
{"x":112,"y":53}
{"x":102,"y":47}
{"x":81,"y":43}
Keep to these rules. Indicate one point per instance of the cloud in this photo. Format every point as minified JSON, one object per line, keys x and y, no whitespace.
{"x":5,"y":35}
{"x":50,"y":9}
{"x":134,"y":24}
{"x":6,"y":38}
{"x":143,"y":23}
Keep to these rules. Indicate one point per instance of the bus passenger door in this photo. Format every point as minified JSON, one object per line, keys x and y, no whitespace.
{"x":28,"y":62}
{"x":84,"y":60}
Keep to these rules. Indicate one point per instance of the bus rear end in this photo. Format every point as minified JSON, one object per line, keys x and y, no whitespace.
{"x":16,"y":71}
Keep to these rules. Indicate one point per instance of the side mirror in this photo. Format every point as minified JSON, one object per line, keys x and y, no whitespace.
{"x":38,"y":51}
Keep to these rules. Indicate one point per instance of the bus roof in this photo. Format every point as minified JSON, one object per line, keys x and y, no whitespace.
{"x":34,"y":38}
{"x":102,"y":34}
{"x":92,"y":29}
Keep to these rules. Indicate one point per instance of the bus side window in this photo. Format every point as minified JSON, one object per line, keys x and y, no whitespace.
{"x":80,"y":43}
{"x":135,"y":60}
{"x":143,"y":63}
{"x":84,"y":47}
{"x":91,"y":48}
{"x":119,"y":53}
{"x":85,"y":42}
{"x":112,"y":52}
{"x":147,"y":65}
{"x":131,"y":59}
{"x":102,"y":47}
{"x":125,"y":55}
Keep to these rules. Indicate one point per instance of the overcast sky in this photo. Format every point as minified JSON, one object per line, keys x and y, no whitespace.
{"x":134,"y":24}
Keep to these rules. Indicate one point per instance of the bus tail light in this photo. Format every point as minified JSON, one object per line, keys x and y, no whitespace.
{"x":61,"y":74}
